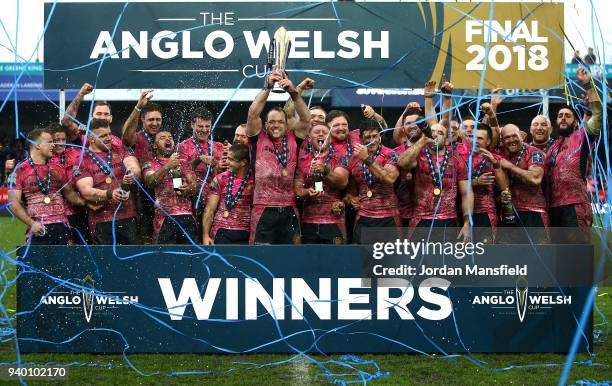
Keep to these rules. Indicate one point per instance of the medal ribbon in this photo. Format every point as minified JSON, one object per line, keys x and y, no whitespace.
{"x":149,"y":139}
{"x":231,"y":201}
{"x":196,"y":143}
{"x":481,"y":166}
{"x":106,"y":169}
{"x":365,"y":170}
{"x":436,"y":176}
{"x":552,"y":161}
{"x":518,"y":161}
{"x":282,"y":158}
{"x":43,"y":189}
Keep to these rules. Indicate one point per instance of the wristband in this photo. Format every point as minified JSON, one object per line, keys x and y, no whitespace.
{"x":109,"y":194}
{"x":587,"y":86}
{"x":429,"y":96}
{"x":368,"y":161}
{"x":137,"y":109}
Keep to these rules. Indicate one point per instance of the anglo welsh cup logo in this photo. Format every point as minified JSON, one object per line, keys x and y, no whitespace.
{"x":88,"y":297}
{"x":520,"y":295}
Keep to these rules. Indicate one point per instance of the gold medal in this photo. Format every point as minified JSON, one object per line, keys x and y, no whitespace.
{"x":47,"y":200}
{"x":437,"y":191}
{"x":226,"y":213}
{"x":109,"y":180}
{"x":369,"y":193}
{"x":284,"y":172}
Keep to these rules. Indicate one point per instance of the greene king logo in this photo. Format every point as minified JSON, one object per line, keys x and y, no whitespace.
{"x":520,"y":300}
{"x":87,"y":301}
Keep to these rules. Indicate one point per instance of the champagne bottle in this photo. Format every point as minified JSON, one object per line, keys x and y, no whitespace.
{"x":508,"y":213}
{"x":125,"y":188}
{"x":318,"y":182}
{"x":177,"y":180}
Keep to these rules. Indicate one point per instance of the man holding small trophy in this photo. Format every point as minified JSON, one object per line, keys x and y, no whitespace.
{"x":320,"y":180}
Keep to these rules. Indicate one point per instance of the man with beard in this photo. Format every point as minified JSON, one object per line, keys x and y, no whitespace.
{"x":42,"y":183}
{"x":486,"y":172}
{"x":412,"y":130}
{"x":439,"y":176}
{"x":403,"y":133}
{"x":104,"y":168}
{"x":174,"y":183}
{"x":319,"y":181}
{"x":67,"y":159}
{"x":525,"y":167}
{"x":142,"y":142}
{"x":274,"y":219}
{"x":568,"y":160}
{"x":227,"y":215}
{"x":541,"y":130}
{"x":342,"y":139}
{"x":373,"y":173}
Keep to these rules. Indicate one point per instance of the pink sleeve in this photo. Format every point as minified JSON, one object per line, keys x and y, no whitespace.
{"x":19,"y":176}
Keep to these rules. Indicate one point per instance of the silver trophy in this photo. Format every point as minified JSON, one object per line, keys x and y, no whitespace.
{"x":277,"y":56}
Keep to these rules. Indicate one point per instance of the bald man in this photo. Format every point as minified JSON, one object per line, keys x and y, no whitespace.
{"x":524,"y":165}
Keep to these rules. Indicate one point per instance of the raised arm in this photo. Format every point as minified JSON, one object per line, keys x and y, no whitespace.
{"x":430,"y":111}
{"x":131,"y":124}
{"x":369,"y":113}
{"x":292,"y":120}
{"x":490,"y":118}
{"x":303,"y":124}
{"x":398,"y":133}
{"x":594,"y":123}
{"x":447,"y":101}
{"x":69,"y":120}
{"x":254,"y":124}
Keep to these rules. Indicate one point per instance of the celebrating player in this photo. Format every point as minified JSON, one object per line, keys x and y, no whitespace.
{"x":228,"y":208}
{"x":525,"y":167}
{"x":568,"y":159}
{"x":174,"y":183}
{"x":438,"y":176}
{"x":373,"y":173}
{"x":319,"y":181}
{"x":274,"y":219}
{"x":105,"y":179}
{"x":42,"y":183}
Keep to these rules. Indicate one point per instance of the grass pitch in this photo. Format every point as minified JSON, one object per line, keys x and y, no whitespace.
{"x":394,"y":369}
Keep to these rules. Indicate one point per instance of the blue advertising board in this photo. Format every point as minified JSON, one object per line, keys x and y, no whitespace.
{"x":232,"y":299}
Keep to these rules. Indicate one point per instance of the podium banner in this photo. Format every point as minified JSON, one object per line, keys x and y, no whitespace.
{"x":302,"y":298}
{"x":347,"y":44}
